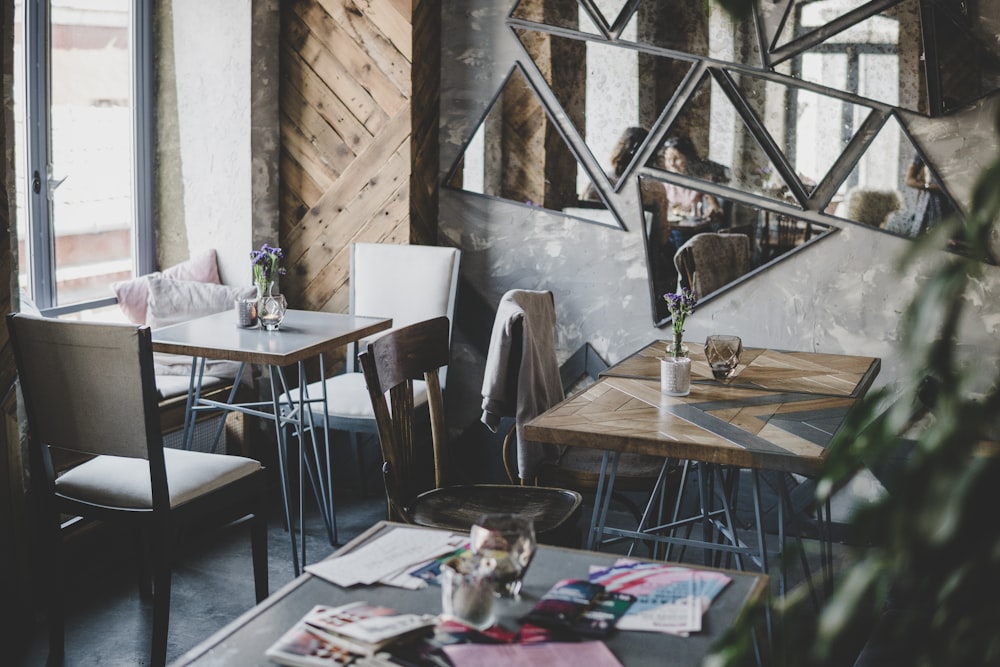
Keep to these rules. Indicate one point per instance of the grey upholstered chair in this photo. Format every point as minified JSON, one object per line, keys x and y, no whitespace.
{"x":706,"y":262}
{"x":89,"y":388}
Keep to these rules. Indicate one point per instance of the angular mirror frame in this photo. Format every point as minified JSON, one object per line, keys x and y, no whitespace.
{"x":809,"y":202}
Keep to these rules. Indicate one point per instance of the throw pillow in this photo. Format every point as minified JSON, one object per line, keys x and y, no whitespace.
{"x":133,"y":295}
{"x":173,"y":301}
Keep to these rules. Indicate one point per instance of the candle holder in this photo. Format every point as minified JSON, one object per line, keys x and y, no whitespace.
{"x":675,"y":376}
{"x":271,"y":311}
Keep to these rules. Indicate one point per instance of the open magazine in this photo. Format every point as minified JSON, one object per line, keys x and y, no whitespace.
{"x":668,"y":598}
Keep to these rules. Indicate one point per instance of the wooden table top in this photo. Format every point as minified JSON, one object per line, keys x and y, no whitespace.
{"x":774,"y":370}
{"x":779,"y":413}
{"x":303,"y":334}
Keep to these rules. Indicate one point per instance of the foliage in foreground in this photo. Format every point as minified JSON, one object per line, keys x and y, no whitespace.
{"x":934,"y":558}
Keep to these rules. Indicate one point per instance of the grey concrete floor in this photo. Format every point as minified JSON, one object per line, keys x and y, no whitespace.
{"x":108,"y":625}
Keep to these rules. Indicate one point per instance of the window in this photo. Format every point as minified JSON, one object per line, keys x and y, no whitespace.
{"x":82,"y":109}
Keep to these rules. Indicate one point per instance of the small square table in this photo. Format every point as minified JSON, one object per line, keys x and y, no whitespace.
{"x":303,"y":335}
{"x":778,"y":413}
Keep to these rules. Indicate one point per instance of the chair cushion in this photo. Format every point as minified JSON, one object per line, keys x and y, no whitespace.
{"x":118,"y":481}
{"x":458,"y":507}
{"x":169,"y":386}
{"x":347,"y":396}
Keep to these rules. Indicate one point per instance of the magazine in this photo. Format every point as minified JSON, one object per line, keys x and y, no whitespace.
{"x":304,"y":646}
{"x":579,"y":607}
{"x":357,"y":628}
{"x":669,"y":598}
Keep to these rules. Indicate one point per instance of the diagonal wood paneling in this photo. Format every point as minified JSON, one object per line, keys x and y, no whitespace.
{"x":360,"y":94}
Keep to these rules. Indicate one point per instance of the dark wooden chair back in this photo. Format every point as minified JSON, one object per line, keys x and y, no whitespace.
{"x":390,"y":364}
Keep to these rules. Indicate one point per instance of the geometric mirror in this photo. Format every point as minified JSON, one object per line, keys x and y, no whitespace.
{"x":676,"y":241}
{"x":809,"y":128}
{"x":516,"y":153}
{"x":562,"y":14}
{"x":709,"y":31}
{"x":892,"y":187}
{"x":925,"y":56}
{"x":597,"y":86}
{"x":718,"y":146}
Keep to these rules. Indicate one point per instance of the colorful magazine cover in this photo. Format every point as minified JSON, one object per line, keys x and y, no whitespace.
{"x":669,"y":598}
{"x":304,"y":646}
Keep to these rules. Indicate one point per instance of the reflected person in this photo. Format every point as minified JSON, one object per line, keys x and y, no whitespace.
{"x":654,"y":200}
{"x":932,"y":205}
{"x":680,"y":156}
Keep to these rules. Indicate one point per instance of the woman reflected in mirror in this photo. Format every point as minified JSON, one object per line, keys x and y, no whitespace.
{"x":654,"y":199}
{"x":680,"y":157}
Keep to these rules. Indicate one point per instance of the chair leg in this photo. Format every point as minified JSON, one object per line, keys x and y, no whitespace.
{"x":161,"y":598}
{"x":258,"y":544}
{"x":51,"y":573}
{"x":140,"y":543}
{"x":360,"y":454}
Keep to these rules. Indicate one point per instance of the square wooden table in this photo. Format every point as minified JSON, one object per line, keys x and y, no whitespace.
{"x":244,"y":641}
{"x":303,"y":335}
{"x":778,"y":413}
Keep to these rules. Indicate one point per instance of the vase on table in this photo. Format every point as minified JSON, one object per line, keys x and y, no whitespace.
{"x":270,"y":307}
{"x":675,"y":368}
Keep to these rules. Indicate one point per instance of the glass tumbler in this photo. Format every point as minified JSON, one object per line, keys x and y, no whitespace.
{"x":508,"y":539}
{"x":723,"y":355}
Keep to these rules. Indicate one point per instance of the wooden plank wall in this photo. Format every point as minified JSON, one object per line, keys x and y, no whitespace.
{"x":359,"y":100}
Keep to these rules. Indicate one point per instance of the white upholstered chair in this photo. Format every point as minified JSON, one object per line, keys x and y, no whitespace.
{"x":89,"y":388}
{"x":409,"y":283}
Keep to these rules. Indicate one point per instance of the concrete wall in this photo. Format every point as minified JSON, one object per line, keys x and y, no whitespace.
{"x":217,"y":130}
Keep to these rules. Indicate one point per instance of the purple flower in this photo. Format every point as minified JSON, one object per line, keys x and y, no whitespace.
{"x":266,"y":264}
{"x":680,"y":304}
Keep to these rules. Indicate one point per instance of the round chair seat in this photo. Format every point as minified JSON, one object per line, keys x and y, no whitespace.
{"x":554,"y":511}
{"x":579,"y":468}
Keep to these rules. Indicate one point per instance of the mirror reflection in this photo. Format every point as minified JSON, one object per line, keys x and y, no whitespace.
{"x":705,"y":242}
{"x":517,"y":154}
{"x":601,"y":79}
{"x":894,"y":188}
{"x":883,"y":56}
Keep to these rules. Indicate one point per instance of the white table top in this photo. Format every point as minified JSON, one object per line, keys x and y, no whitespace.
{"x":303,"y":334}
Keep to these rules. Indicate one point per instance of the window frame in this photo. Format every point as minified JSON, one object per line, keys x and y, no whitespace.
{"x":40,"y":241}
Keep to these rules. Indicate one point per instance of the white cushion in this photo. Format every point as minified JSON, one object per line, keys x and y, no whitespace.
{"x":169,"y":386}
{"x":133,"y":294}
{"x":347,"y":396}
{"x":174,"y":301}
{"x":124,"y":482}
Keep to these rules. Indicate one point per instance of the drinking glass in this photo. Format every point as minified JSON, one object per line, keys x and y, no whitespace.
{"x":468,"y":589}
{"x":509,"y":539}
{"x":723,"y":355}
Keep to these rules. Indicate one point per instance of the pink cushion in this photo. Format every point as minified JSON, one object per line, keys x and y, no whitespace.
{"x":134,"y":294}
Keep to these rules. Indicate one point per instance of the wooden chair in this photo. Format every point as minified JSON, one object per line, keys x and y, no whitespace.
{"x":408,"y":283}
{"x":90,"y":388}
{"x":391,"y":364}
